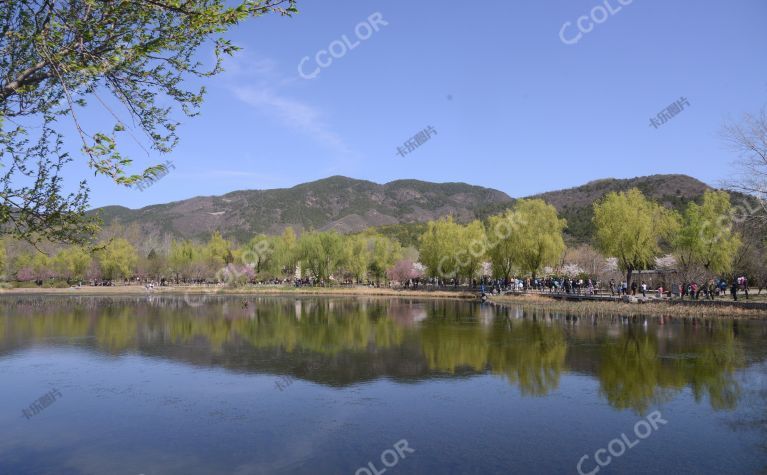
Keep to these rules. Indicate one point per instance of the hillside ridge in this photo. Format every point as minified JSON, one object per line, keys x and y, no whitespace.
{"x":351,"y":205}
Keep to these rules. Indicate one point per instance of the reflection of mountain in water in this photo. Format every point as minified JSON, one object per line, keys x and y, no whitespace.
{"x":352,"y":340}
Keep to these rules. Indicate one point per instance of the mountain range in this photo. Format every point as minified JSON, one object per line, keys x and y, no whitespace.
{"x":397,"y":208}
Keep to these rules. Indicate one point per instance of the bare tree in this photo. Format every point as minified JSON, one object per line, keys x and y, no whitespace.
{"x":587,"y":259}
{"x":751,"y":259}
{"x":748,"y":138}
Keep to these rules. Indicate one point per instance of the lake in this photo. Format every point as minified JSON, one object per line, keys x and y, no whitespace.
{"x":251,"y":385}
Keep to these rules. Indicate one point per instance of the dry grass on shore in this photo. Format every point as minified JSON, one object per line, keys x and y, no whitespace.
{"x":265,"y":290}
{"x":331,"y":291}
{"x":609,"y":308}
{"x":531,"y":301}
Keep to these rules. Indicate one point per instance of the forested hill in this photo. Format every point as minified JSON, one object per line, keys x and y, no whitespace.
{"x":339,"y":203}
{"x":398,"y":207}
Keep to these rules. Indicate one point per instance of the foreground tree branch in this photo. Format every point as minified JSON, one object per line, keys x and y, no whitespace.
{"x":56,"y":55}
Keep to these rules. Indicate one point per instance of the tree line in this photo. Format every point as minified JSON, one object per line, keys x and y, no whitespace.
{"x":710,"y":239}
{"x":707,"y":239}
{"x":320,"y":255}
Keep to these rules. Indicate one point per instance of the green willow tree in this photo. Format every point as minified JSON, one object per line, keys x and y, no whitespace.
{"x":286,"y":252}
{"x":57,"y":56}
{"x":383,"y":253}
{"x":439,"y":246}
{"x":500,"y":245}
{"x":631,"y":228}
{"x":357,"y":257}
{"x":536,"y":236}
{"x":219,"y":251}
{"x":72,"y":263}
{"x":452,"y":250}
{"x":182,"y":257}
{"x":3,"y":259}
{"x":473,"y":249}
{"x":707,"y":239}
{"x":117,"y":259}
{"x":322,"y":253}
{"x":259,"y":254}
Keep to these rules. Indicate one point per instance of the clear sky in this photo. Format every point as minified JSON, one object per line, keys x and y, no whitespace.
{"x":514,"y":107}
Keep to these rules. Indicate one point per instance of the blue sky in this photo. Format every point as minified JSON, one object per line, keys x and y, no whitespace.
{"x":514,"y":107}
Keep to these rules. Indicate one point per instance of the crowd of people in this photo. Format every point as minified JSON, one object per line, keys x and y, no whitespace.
{"x":712,"y":289}
{"x":709,"y":290}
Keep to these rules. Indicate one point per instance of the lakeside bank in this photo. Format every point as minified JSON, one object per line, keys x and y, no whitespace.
{"x":652,"y":308}
{"x":243,"y":291}
{"x":555,"y":302}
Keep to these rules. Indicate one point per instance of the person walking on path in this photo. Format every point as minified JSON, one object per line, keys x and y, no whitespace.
{"x":734,"y":290}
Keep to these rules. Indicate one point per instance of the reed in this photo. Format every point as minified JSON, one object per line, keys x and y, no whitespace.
{"x":609,"y":308}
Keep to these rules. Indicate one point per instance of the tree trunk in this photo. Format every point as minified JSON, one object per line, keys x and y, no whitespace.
{"x":629,"y":272}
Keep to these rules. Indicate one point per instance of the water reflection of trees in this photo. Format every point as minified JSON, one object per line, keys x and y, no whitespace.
{"x":631,"y":373}
{"x":534,"y":358}
{"x":527,"y":354}
{"x":635,"y":374}
{"x":324,"y":327}
{"x":363,"y":339}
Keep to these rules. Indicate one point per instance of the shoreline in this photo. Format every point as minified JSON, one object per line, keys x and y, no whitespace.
{"x":133,"y":290}
{"x":613,"y":308}
{"x":532,"y":301}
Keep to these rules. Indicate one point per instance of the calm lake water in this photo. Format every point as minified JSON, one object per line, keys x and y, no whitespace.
{"x":152,"y":385}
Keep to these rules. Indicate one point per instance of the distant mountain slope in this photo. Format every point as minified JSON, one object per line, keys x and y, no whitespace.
{"x":340,"y":203}
{"x":576,"y":204}
{"x":397,"y":208}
